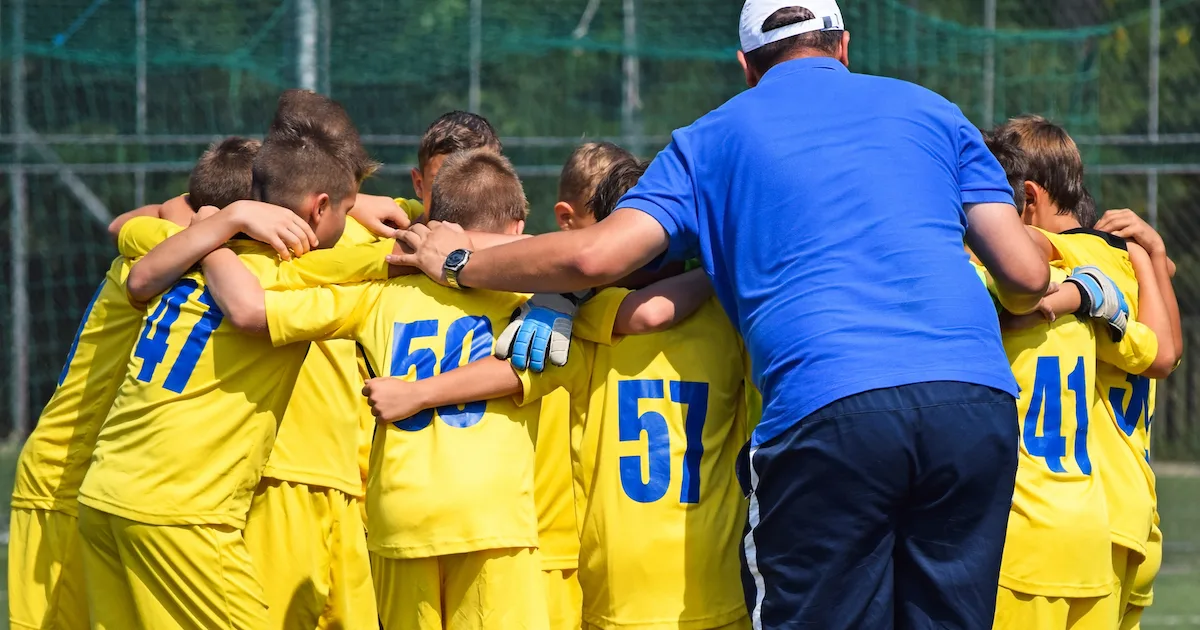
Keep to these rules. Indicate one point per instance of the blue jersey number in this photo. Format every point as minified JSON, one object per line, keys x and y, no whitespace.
{"x":405,"y":359}
{"x":152,"y":346}
{"x":62,"y":376}
{"x":1139,"y":402}
{"x":1129,"y":415}
{"x":1051,"y":445}
{"x":631,"y":426}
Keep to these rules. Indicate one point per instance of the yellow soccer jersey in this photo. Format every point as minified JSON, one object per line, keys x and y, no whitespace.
{"x":445,"y":481}
{"x":1128,"y":480}
{"x":558,"y":535}
{"x":1058,"y":538}
{"x":663,"y":515}
{"x":318,"y":440}
{"x":56,"y":455}
{"x":195,"y":417}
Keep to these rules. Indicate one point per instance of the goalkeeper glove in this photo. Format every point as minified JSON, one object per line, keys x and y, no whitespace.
{"x":1101,"y":299}
{"x":540,"y":329}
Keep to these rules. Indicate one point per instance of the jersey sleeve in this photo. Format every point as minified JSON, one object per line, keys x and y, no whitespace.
{"x":981,"y":179}
{"x":411,"y":207}
{"x":598,"y":316}
{"x":667,"y":192}
{"x":139,"y":235}
{"x":1134,"y":353}
{"x":574,"y":376}
{"x":318,"y":313}
{"x":339,"y":265}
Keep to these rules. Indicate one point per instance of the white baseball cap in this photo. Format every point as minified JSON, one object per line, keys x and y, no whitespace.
{"x":828,"y":17}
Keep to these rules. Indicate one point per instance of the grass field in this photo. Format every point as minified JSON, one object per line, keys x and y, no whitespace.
{"x":1176,"y":593}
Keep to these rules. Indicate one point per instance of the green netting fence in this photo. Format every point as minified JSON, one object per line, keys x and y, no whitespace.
{"x":105,"y":103}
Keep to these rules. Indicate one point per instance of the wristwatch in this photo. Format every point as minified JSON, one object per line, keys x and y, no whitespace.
{"x":454,"y":265}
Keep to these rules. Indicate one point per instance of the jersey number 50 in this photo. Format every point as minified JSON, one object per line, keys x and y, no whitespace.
{"x":404,"y":359}
{"x":632,"y":424}
{"x":152,"y":348}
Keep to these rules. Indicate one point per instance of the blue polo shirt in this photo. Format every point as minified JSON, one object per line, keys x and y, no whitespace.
{"x":827,"y":207}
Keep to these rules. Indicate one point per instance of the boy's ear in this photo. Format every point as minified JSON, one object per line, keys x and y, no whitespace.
{"x":564,"y":215}
{"x":418,"y":183}
{"x":520,"y":227}
{"x":321,"y":204}
{"x":1034,"y":194}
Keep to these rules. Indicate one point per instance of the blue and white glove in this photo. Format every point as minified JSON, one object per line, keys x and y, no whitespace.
{"x":1101,"y":299}
{"x":540,"y":329}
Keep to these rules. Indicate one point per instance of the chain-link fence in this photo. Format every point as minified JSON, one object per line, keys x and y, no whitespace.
{"x":107,"y":102}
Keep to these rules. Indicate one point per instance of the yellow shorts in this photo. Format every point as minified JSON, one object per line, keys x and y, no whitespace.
{"x":499,"y":589}
{"x":45,"y":571}
{"x":1141,"y":593}
{"x":1022,"y":611}
{"x":1125,"y":572}
{"x":165,"y":576}
{"x":1132,"y":619}
{"x":564,"y":599}
{"x":308,"y":544}
{"x":740,"y":624}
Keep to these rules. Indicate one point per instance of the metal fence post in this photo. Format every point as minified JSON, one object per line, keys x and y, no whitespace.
{"x":139,"y":177}
{"x":989,"y":64}
{"x":19,"y":377}
{"x":306,"y":42}
{"x":476,"y":54}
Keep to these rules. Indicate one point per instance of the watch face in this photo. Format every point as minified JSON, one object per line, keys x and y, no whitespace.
{"x":456,"y":258}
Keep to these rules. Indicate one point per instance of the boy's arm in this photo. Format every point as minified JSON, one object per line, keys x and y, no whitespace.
{"x":663,"y":304}
{"x":1152,"y":311}
{"x":394,"y":399}
{"x":164,"y":265}
{"x":1128,"y":225}
{"x":237,"y":291}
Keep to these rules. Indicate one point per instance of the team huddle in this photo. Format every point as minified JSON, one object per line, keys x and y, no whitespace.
{"x":261,"y":423}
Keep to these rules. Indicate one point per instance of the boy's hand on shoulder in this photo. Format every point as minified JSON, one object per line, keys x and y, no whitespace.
{"x":391,"y":399}
{"x":1128,"y":225}
{"x":381,"y":215}
{"x":276,"y":226}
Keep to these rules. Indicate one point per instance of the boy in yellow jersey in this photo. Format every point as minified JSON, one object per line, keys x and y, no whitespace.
{"x":45,"y":564}
{"x":1053,"y":191}
{"x":180,"y":454}
{"x":466,"y":557}
{"x":558,"y":535}
{"x":661,"y":516}
{"x":452,"y":132}
{"x":1055,"y":571}
{"x":1127,"y":225}
{"x":305,"y":529}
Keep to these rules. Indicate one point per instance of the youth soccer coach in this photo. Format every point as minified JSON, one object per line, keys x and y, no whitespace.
{"x":830,"y":211}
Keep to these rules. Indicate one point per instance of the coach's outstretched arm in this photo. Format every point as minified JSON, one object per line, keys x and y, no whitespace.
{"x":997,"y":236}
{"x":549,"y":263}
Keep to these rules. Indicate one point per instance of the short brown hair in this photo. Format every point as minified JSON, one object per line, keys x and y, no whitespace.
{"x":301,"y":160}
{"x":1054,"y":160}
{"x":764,"y":58}
{"x":620,"y":178}
{"x":298,"y":109}
{"x":1013,"y":160}
{"x":1085,"y":211}
{"x":479,"y":190}
{"x":224,"y":173}
{"x":588,"y":164}
{"x":456,"y":131}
